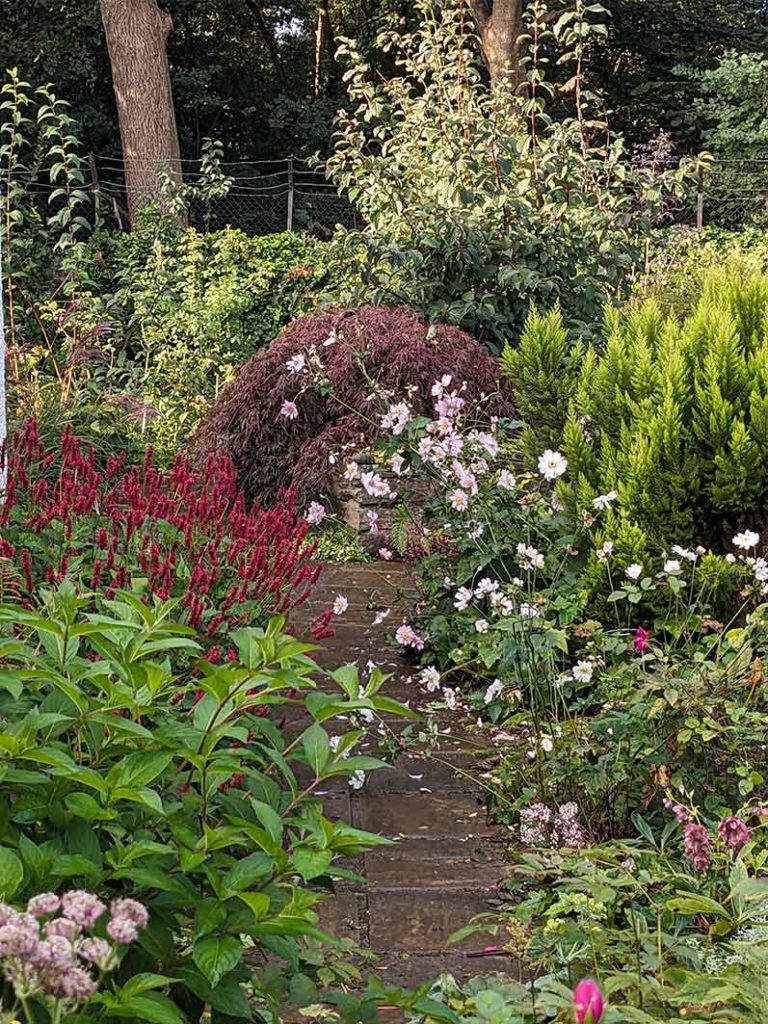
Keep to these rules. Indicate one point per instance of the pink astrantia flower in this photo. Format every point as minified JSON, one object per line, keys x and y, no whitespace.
{"x":588,"y":1002}
{"x":289,"y":410}
{"x":340,"y":604}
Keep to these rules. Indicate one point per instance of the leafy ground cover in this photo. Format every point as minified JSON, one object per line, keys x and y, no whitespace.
{"x":590,"y":539}
{"x":617,"y":655}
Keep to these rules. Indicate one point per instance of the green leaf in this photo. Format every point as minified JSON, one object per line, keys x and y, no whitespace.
{"x":694,"y":903}
{"x":258,"y":902}
{"x":71,"y":865}
{"x":250,"y":869}
{"x":317,"y":747}
{"x":270,"y":819}
{"x":11,"y":872}
{"x":311,"y":863}
{"x":217,"y":956}
{"x":154,"y":1007}
{"x":140,"y":983}
{"x":138,"y":769}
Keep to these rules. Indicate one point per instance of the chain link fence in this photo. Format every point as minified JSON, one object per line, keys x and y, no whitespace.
{"x":734,"y":194}
{"x":266,"y":196}
{"x":260,"y":197}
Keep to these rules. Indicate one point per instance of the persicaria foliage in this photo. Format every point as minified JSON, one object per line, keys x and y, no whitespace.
{"x":184,"y":532}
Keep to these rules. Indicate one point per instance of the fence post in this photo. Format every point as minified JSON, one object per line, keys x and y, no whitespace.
{"x":290,"y":193}
{"x":3,"y":421}
{"x":96,"y":189}
{"x":700,"y":202}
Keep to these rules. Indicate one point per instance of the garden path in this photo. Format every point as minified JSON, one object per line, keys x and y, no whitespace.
{"x":414,"y":895}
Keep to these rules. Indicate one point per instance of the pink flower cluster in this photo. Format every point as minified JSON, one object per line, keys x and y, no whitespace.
{"x":43,"y":949}
{"x":734,"y":832}
{"x":542,"y":826}
{"x":188,"y":531}
{"x":697,"y":841}
{"x":407,"y":636}
{"x":697,"y":845}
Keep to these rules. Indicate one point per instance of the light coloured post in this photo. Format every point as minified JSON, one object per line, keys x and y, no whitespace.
{"x":3,"y":416}
{"x":289,"y":222}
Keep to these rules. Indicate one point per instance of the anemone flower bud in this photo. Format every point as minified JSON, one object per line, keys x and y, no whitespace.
{"x":588,"y":1002}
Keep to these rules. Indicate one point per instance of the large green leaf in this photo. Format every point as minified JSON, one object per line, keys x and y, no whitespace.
{"x":216,"y":956}
{"x":317,"y":747}
{"x":138,"y":769}
{"x":11,"y":873}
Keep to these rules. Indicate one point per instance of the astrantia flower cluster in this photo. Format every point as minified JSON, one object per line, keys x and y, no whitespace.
{"x":543,"y":826}
{"x":50,"y":950}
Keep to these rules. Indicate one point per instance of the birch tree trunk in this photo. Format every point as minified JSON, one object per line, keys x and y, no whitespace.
{"x":137,"y":32}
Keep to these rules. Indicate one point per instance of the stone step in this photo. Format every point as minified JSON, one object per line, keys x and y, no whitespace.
{"x":410,"y":897}
{"x":417,"y":814}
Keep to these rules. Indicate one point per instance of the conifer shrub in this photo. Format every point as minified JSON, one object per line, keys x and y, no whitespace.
{"x":281,"y":425}
{"x":670,"y":413}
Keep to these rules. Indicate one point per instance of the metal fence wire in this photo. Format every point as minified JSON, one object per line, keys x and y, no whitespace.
{"x":260,"y":197}
{"x":266,"y":196}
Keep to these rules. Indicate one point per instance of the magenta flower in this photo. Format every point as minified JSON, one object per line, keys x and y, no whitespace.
{"x":588,"y":1002}
{"x":681,"y":812}
{"x":640,"y":642}
{"x":734,"y":832}
{"x":697,"y":845}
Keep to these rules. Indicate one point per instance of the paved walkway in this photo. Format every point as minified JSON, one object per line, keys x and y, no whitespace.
{"x":442,"y":871}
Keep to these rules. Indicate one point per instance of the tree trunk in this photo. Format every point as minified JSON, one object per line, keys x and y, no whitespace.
{"x":500,"y":24}
{"x":324,"y":48}
{"x":137,"y":31}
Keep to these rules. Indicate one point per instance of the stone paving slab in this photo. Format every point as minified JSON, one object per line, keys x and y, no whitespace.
{"x":421,"y":920}
{"x":413,"y":774}
{"x":413,"y":814}
{"x":412,"y":895}
{"x":408,"y":970}
{"x":419,"y":868}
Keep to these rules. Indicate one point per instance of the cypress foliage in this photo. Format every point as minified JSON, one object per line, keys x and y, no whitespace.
{"x":671,"y":414}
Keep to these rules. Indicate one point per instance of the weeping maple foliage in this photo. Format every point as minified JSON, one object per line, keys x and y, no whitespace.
{"x":356,"y":352}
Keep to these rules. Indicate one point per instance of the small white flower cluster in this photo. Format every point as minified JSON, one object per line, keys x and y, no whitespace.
{"x":499,"y":603}
{"x":397,"y":418}
{"x":431,"y":679}
{"x":529,"y":558}
{"x":552,"y":464}
{"x":315,"y":514}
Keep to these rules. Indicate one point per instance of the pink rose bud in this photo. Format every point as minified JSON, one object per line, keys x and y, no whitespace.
{"x":588,"y":1002}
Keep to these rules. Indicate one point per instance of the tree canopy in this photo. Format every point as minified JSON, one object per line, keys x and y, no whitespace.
{"x":260,"y":75}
